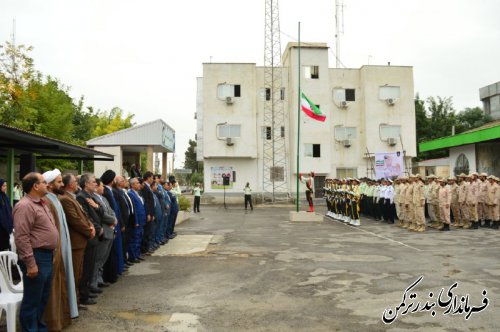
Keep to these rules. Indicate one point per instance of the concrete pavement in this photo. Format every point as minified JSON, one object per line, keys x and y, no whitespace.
{"x":231,"y":270}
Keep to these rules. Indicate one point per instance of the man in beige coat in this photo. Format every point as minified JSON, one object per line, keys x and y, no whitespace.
{"x":482,"y":206}
{"x":444,"y":205}
{"x":455,"y":208}
{"x":472,"y":193}
{"x":462,"y":201}
{"x":408,"y":203}
{"x":419,"y":204}
{"x":493,"y":201}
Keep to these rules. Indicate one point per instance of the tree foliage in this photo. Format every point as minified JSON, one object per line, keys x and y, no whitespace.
{"x":42,"y":105}
{"x":436,"y":117}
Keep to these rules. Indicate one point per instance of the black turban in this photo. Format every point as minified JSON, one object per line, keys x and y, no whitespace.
{"x":108,"y":176}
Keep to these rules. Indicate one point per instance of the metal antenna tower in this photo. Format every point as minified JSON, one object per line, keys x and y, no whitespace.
{"x":273,"y":131}
{"x":339,"y":29}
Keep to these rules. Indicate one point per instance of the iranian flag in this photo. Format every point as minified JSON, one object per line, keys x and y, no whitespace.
{"x":311,"y":110}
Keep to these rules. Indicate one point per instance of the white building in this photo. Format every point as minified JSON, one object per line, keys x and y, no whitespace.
{"x":367,"y":109}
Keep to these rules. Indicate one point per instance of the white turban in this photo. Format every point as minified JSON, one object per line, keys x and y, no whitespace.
{"x":50,"y":176}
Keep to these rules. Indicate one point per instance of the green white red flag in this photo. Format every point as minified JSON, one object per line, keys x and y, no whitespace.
{"x":311,"y":110}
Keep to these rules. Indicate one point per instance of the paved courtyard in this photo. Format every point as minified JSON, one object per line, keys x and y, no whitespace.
{"x":229,"y":270}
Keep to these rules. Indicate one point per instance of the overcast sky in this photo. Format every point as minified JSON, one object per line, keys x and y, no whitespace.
{"x":144,"y":56}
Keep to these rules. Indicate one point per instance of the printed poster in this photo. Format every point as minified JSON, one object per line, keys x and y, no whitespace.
{"x":217,"y":174}
{"x":389,"y":165}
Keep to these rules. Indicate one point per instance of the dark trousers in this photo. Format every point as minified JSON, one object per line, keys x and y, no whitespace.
{"x":309,"y":198}
{"x":88,"y":269}
{"x":36,"y":292}
{"x":248,"y":200}
{"x":172,"y":217}
{"x":196,"y":207}
{"x":134,"y":244}
{"x":148,"y":227}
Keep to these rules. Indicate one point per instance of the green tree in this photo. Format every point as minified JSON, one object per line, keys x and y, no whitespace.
{"x":190,"y":161}
{"x":16,"y":71}
{"x":471,"y":118}
{"x":108,"y":123}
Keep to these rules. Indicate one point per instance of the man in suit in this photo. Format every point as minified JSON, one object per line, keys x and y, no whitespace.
{"x":134,"y":247}
{"x":84,"y":197}
{"x":81,"y":229}
{"x":108,"y":222}
{"x":149,"y":205}
{"x":115,"y":264}
{"x":126,"y":213}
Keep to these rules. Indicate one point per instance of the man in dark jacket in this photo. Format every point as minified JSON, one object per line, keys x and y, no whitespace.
{"x":126,"y":213}
{"x":115,"y":264}
{"x":84,"y":197}
{"x":134,"y":245}
{"x":149,"y":205}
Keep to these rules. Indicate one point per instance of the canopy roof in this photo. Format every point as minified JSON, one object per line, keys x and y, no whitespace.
{"x":488,"y":132}
{"x":24,"y":142}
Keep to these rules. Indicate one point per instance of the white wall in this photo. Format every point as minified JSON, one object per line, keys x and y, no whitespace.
{"x":116,"y":165}
{"x":246,"y":171}
{"x":470,"y":153}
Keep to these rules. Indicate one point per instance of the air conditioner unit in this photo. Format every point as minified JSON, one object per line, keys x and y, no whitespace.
{"x":390,"y":101}
{"x":347,"y":143}
{"x":391,"y":141}
{"x":229,"y":100}
{"x":344,"y":104}
{"x":229,"y":141}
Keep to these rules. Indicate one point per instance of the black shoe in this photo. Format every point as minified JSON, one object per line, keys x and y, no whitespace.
{"x":495,"y":224}
{"x":88,"y":301}
{"x":135,"y":261}
{"x":171,"y":236}
{"x":95,"y":290}
{"x":128,"y":263}
{"x":82,"y":307}
{"x":103,"y":284}
{"x":446,"y":227}
{"x":92,"y":295}
{"x":140,"y":258}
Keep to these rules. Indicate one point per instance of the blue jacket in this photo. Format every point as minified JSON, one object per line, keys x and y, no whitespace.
{"x":140,"y":211}
{"x":174,"y":207}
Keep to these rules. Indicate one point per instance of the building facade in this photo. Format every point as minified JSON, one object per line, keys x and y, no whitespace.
{"x":490,"y":96}
{"x":368,"y":110}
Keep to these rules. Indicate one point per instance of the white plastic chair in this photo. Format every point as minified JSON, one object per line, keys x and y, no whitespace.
{"x":11,"y":295}
{"x":12,"y":242}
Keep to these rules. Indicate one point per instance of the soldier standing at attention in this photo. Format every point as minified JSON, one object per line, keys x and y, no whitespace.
{"x":402,"y":209}
{"x":492,"y":201}
{"x":472,"y":193}
{"x":462,"y":201}
{"x":419,"y":204}
{"x":444,"y":205}
{"x":455,"y":209}
{"x":408,"y":201}
{"x":482,"y":207}
{"x":430,"y":196}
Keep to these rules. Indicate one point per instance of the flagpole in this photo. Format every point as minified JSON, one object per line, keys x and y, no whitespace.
{"x":298,"y":129}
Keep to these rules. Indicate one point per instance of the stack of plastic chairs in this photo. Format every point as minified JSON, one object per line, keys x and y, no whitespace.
{"x":11,"y":294}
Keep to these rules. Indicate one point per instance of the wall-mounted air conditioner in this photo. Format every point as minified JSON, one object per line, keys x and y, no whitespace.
{"x":390,"y":101}
{"x":229,"y":100}
{"x":391,"y":141}
{"x":347,"y":143}
{"x":229,"y":141}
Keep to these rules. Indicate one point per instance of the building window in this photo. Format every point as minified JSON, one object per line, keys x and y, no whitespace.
{"x":268,"y":93}
{"x":461,"y":165}
{"x":343,"y":173}
{"x":282,"y":131}
{"x":312,"y":150}
{"x":269,"y":133}
{"x":227,"y":130}
{"x":388,"y":92}
{"x":340,"y":94}
{"x":282,"y":94}
{"x":228,"y":90}
{"x":277,"y":173}
{"x":311,"y":72}
{"x":343,"y":133}
{"x":389,"y":131}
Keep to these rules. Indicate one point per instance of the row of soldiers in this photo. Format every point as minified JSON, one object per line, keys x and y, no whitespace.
{"x":472,"y":200}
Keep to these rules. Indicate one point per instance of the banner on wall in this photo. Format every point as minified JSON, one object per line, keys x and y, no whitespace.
{"x":217,"y":175}
{"x":389,"y":165}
